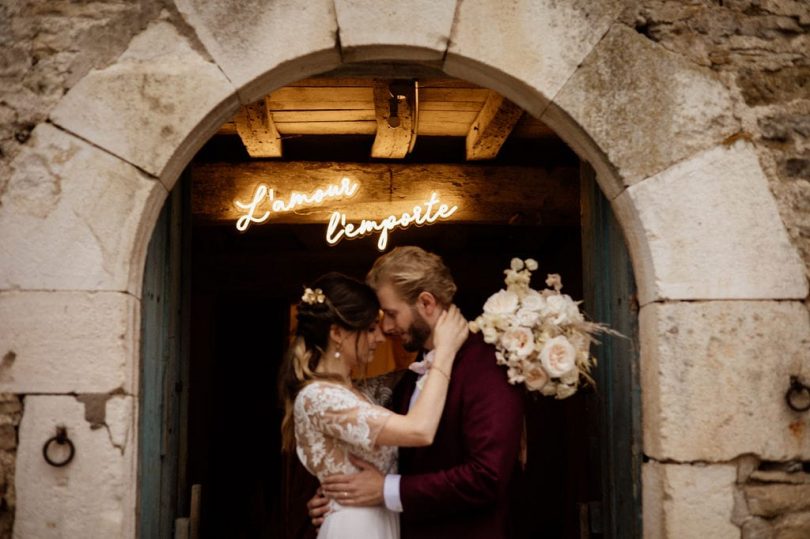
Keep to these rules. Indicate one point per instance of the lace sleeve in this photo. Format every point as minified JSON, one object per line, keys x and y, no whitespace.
{"x":338,"y":412}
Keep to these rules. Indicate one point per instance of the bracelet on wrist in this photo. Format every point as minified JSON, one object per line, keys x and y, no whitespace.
{"x":437,"y":369}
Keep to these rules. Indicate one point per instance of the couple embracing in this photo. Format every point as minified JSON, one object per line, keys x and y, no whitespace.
{"x":438,"y":460}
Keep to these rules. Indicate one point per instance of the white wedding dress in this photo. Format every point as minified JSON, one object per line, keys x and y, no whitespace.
{"x":331,"y":422}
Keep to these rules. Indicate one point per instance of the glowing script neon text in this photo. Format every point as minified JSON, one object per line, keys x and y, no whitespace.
{"x":338,"y":228}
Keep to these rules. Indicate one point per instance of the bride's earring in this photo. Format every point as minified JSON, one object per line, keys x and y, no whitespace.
{"x":337,"y":352}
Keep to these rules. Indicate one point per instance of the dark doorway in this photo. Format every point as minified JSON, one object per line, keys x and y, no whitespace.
{"x":237,"y":310}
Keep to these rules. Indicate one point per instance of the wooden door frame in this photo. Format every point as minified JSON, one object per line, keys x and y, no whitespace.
{"x":610,"y":297}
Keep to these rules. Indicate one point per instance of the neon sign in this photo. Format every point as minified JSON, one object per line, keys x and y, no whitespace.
{"x":346,"y":188}
{"x":338,"y":228}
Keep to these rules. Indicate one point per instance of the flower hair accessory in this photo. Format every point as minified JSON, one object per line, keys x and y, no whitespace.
{"x":311,"y":297}
{"x":540,"y":337}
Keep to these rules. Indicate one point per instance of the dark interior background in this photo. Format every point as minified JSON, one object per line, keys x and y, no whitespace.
{"x":242,"y":288}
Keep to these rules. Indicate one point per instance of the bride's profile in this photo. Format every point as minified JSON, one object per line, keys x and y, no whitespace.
{"x":327,"y":418}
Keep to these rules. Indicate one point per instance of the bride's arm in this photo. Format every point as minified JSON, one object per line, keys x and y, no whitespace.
{"x":418,"y":427}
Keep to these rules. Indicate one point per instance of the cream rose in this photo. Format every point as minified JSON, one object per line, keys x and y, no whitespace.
{"x":516,"y":264}
{"x":563,"y":309}
{"x":518,"y":341}
{"x":533,"y":301}
{"x":501,"y":302}
{"x":558,"y":356}
{"x":527,"y":318}
{"x":531,"y":264}
{"x":536,"y":378}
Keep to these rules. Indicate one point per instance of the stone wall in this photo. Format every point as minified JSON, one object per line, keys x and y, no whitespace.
{"x":758,"y":50}
{"x":773,"y":499}
{"x":10,"y":414}
{"x":761,"y":50}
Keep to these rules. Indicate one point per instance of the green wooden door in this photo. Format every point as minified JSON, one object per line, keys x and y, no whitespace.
{"x":610,"y":296}
{"x":161,"y":478}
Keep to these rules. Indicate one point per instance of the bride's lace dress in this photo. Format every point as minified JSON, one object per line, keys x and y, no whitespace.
{"x":331,"y":422}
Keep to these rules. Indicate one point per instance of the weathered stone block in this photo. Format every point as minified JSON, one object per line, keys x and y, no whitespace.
{"x":68,"y":342}
{"x":777,"y":499}
{"x":73,"y":217}
{"x":418,"y":30}
{"x":255,"y":43}
{"x":714,"y":376}
{"x":709,"y":228}
{"x":92,"y":490}
{"x":685,"y":107}
{"x":8,"y":437}
{"x":685,"y":500}
{"x":537,"y":42}
{"x":792,"y":526}
{"x":757,"y":528}
{"x":154,"y":107}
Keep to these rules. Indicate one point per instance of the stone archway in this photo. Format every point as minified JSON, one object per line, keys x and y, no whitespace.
{"x":709,"y":250}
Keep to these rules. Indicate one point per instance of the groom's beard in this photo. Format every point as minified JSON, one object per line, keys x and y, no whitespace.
{"x":418,"y":334}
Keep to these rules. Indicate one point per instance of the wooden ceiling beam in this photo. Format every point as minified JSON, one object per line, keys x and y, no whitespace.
{"x":395,"y":134}
{"x":491,"y":127}
{"x":258,"y":132}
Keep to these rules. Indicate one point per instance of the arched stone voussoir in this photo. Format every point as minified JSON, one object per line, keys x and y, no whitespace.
{"x":418,"y":30}
{"x":74,"y":217}
{"x":262,"y":45}
{"x":645,"y":107}
{"x":715,"y":374}
{"x":68,"y":342}
{"x":539,"y":43}
{"x":154,"y":107}
{"x":708,"y":228}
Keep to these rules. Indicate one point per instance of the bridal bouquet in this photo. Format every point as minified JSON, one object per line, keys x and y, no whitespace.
{"x":541,"y":337}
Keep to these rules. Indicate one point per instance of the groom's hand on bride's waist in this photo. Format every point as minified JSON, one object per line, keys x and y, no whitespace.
{"x":318,"y":507}
{"x":364,"y":488}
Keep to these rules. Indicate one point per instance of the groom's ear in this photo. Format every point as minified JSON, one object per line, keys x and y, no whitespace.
{"x":427,"y":305}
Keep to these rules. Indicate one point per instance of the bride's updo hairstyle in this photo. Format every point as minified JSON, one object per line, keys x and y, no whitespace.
{"x":333,"y":298}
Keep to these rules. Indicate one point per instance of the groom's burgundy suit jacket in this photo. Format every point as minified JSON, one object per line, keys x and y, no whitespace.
{"x":458,"y":486}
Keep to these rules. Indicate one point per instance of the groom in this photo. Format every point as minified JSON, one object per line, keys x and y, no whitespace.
{"x":457,"y":487}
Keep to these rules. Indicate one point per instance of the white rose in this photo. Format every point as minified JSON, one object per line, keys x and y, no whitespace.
{"x":536,"y":378}
{"x":501,"y":302}
{"x":474,"y":327}
{"x":527,"y":318}
{"x":558,"y":356}
{"x":518,"y":341}
{"x":531,"y":264}
{"x":516,"y":264}
{"x":533,"y":301}
{"x":563,"y":309}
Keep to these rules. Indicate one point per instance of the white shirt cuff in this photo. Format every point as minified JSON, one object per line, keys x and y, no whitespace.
{"x":391,"y":493}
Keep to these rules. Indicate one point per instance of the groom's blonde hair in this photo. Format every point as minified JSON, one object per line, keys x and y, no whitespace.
{"x":412,"y":270}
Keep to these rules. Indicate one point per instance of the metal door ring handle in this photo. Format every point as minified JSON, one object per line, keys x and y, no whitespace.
{"x":60,"y":439}
{"x":798,"y":395}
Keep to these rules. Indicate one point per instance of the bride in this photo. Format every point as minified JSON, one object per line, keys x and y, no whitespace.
{"x":327,"y":419}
